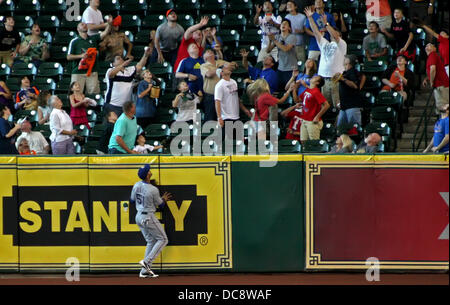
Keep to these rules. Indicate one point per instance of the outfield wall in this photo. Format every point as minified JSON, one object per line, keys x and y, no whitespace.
{"x":228,"y":214}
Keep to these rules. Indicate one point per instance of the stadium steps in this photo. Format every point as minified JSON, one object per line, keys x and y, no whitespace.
{"x":409,"y":129}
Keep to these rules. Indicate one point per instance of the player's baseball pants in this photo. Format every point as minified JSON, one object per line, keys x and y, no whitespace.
{"x":154,"y":235}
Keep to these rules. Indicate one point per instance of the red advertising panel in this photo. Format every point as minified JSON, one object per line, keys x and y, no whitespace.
{"x":397,"y":214}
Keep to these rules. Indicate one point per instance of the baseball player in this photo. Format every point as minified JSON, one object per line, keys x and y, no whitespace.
{"x":147,"y":199}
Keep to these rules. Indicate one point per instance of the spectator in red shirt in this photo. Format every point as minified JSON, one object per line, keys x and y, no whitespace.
{"x":442,"y":38}
{"x":259,"y":92}
{"x":436,"y":76}
{"x":314,"y":106}
{"x":294,"y":113}
{"x":192,"y":35}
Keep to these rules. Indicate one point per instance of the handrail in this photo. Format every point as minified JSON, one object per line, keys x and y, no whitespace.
{"x":424,"y":118}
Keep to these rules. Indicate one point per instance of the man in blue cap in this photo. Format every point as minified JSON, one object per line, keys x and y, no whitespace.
{"x":148,"y":200}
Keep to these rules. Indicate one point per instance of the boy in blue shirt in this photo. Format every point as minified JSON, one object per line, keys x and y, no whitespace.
{"x":439,"y":143}
{"x":190,"y":68}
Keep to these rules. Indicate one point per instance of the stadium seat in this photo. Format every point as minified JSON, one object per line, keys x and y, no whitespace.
{"x":165,"y":116}
{"x":67,"y":25}
{"x":63,"y":38}
{"x":210,"y":148}
{"x":63,"y":85}
{"x":357,"y":35}
{"x":58,"y":53}
{"x":83,"y":131}
{"x":383,"y":130}
{"x":66,"y":101}
{"x":374,"y":67}
{"x":131,"y":23}
{"x":214,"y":21}
{"x":191,"y":7}
{"x":229,"y":37}
{"x":348,"y":19}
{"x":163,"y":70}
{"x":44,"y":129}
{"x":234,"y":147}
{"x":151,"y":22}
{"x":251,"y":36}
{"x":44,"y":83}
{"x":31,"y":114}
{"x":13,"y":83}
{"x":166,"y":99}
{"x":51,"y":69}
{"x":142,"y":38}
{"x":330,"y":115}
{"x":5,"y":71}
{"x":77,"y":147}
{"x":109,"y":7}
{"x":138,"y":51}
{"x":96,"y":132}
{"x":22,"y":22}
{"x":185,"y":20}
{"x":244,"y":7}
{"x":234,"y":22}
{"x":286,"y":146}
{"x":315,"y":146}
{"x":23,"y":69}
{"x":373,"y":84}
{"x":157,"y":132}
{"x":160,"y":6}
{"x":134,"y":7}
{"x":393,"y":99}
{"x":356,"y":49}
{"x":7,"y":7}
{"x":29,"y":7}
{"x":49,"y":23}
{"x":90,"y":147}
{"x":54,"y":7}
{"x":328,"y":133}
{"x":91,"y":115}
{"x":213,"y":7}
{"x":346,"y":6}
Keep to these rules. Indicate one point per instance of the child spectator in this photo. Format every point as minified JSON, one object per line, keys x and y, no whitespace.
{"x":294,"y":113}
{"x":142,"y":148}
{"x":78,"y":105}
{"x":26,"y":98}
{"x":186,"y":102}
{"x":145,"y":105}
{"x":270,"y":25}
{"x":44,"y":109}
{"x":374,"y":44}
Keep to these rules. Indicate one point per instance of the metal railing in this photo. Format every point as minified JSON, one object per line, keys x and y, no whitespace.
{"x":424,"y":120}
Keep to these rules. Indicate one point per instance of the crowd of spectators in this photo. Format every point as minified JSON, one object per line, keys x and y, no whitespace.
{"x":307,"y":34}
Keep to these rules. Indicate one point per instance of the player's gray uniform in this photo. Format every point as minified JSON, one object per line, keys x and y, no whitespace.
{"x":147,"y":199}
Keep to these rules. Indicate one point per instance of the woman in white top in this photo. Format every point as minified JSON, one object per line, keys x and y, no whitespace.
{"x":44,"y":109}
{"x":62,"y":129}
{"x":186,"y":102}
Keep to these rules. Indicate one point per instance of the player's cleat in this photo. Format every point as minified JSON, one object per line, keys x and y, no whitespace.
{"x":148,"y":272}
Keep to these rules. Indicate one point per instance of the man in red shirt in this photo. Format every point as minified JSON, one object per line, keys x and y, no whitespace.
{"x":192,"y":35}
{"x":294,"y":113}
{"x":314,"y":105}
{"x":436,"y":76}
{"x":442,"y":38}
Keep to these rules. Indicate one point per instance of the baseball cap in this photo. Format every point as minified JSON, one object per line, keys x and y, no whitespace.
{"x":143,"y":171}
{"x":170,"y":11}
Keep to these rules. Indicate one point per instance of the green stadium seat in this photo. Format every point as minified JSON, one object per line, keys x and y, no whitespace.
{"x":373,"y":84}
{"x":134,"y":7}
{"x":29,"y":7}
{"x":54,"y":7}
{"x":315,"y":146}
{"x":213,"y":7}
{"x":251,"y":36}
{"x":355,"y":49}
{"x":91,"y":115}
{"x":7,"y":7}
{"x":393,"y":99}
{"x":330,"y":115}
{"x":374,"y":67}
{"x":142,"y":38}
{"x":48,"y":23}
{"x":347,"y":6}
{"x":5,"y":71}
{"x":160,"y":6}
{"x":186,"y":21}
{"x":163,"y":70}
{"x":44,"y":129}
{"x":214,"y":21}
{"x":131,"y":23}
{"x":191,"y":7}
{"x":138,"y":51}
{"x":78,"y":148}
{"x":67,"y":25}
{"x":97,"y":132}
{"x":90,"y":147}
{"x":234,"y":22}
{"x":13,"y":83}
{"x":328,"y":133}
{"x":252,"y":55}
{"x":51,"y":69}
{"x":165,"y":116}
{"x":356,"y":35}
{"x":286,"y":146}
{"x":229,"y":37}
{"x":157,"y":132}
{"x":151,"y":22}
{"x":210,"y":148}
{"x":244,"y":7}
{"x":31,"y":114}
{"x":109,"y":7}
{"x":83,"y":131}
{"x":63,"y":85}
{"x":58,"y":53}
{"x":63,"y":38}
{"x":23,"y":69}
{"x":22,"y":22}
{"x":348,"y":19}
{"x":45,"y":84}
{"x":166,"y":99}
{"x":66,"y":101}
